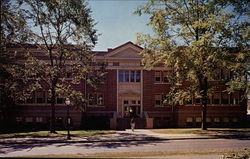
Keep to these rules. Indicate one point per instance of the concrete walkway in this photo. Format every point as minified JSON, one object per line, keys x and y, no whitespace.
{"x":127,"y":135}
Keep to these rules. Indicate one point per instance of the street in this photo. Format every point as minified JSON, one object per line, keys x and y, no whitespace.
{"x":11,"y":150}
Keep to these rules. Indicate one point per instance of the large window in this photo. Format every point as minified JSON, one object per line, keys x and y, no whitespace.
{"x":234,"y":98}
{"x":129,"y":76}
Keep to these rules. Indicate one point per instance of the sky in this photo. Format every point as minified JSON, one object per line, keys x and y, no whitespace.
{"x":116,"y":22}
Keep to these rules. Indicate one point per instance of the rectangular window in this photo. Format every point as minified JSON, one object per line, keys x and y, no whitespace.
{"x":126,"y":76}
{"x":166,"y":76}
{"x":189,"y":101}
{"x":92,"y":99}
{"x":225,"y":98}
{"x":60,"y":100}
{"x":28,"y":119}
{"x":226,"y":120}
{"x":189,"y":119}
{"x":39,"y":119}
{"x":216,"y":99}
{"x":138,"y":102}
{"x":208,"y":119}
{"x":125,"y":102}
{"x":234,"y":98}
{"x":197,"y":101}
{"x":100,"y":99}
{"x":158,"y":100}
{"x":138,"y":76}
{"x":157,"y":76}
{"x":216,"y":119}
{"x":132,"y":76}
{"x":19,"y":119}
{"x":198,"y":119}
{"x":133,"y":101}
{"x":40,"y":97}
{"x":121,"y":76}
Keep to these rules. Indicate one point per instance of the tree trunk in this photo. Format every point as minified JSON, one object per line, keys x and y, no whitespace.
{"x":52,"y":118}
{"x":204,"y":104}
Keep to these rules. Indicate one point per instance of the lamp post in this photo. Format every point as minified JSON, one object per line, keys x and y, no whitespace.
{"x":67,"y":102}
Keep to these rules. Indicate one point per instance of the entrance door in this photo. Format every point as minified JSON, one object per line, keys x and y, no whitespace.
{"x":132,"y":111}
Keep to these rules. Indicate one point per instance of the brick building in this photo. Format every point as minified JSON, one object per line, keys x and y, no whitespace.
{"x":128,"y":90}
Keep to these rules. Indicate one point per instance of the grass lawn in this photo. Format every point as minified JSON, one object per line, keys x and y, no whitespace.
{"x":199,"y":131}
{"x":75,"y":133}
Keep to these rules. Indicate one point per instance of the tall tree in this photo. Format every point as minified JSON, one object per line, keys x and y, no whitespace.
{"x":64,"y":32}
{"x":13,"y":29}
{"x":196,"y":38}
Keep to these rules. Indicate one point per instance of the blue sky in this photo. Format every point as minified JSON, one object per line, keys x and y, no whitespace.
{"x":116,"y":22}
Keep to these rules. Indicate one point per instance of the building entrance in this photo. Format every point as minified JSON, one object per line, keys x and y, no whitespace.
{"x":132,"y":111}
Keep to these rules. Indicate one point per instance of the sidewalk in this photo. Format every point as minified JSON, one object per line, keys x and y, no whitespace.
{"x":122,"y":136}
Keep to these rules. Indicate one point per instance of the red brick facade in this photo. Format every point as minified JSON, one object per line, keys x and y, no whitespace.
{"x":130,"y":88}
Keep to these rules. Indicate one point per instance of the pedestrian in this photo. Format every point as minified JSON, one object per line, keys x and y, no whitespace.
{"x":132,"y":124}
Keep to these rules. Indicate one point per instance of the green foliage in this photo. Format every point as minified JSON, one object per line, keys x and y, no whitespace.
{"x":197,"y":38}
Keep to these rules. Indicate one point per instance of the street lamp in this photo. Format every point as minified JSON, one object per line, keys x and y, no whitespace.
{"x":67,"y":102}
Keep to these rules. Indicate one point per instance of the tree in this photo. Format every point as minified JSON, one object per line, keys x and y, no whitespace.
{"x":64,"y":33}
{"x":196,"y":38}
{"x":13,"y":29}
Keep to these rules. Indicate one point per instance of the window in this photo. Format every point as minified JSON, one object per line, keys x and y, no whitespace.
{"x":198,"y":119}
{"x":197,"y":101}
{"x":19,"y":119}
{"x":60,"y":100}
{"x":158,"y":100}
{"x":225,"y":98}
{"x":138,"y":76}
{"x":235,"y":120}
{"x":125,"y":102}
{"x":189,"y":101}
{"x":39,"y":119}
{"x":100,"y":99}
{"x":234,"y":98}
{"x":189,"y":120}
{"x":92,"y":99}
{"x":126,"y":76}
{"x":40,"y":97}
{"x":29,"y":100}
{"x":28,"y":119}
{"x":162,"y":76}
{"x":216,"y":98}
{"x":157,"y":76}
{"x":226,"y":120}
{"x":216,"y":119}
{"x":132,"y":76}
{"x":121,"y":74}
{"x":138,"y":102}
{"x":166,"y":75}
{"x":133,"y":101}
{"x":208,"y":119}
{"x":129,"y":76}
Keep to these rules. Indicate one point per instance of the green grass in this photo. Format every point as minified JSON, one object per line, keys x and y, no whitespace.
{"x":199,"y":131}
{"x":74,"y":133}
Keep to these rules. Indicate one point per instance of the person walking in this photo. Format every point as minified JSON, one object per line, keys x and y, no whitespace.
{"x":132,"y":124}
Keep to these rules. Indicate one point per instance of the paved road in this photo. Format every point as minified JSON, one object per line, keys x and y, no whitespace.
{"x":144,"y":143}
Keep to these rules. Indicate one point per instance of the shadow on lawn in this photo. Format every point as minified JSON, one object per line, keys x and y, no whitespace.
{"x":108,"y":141}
